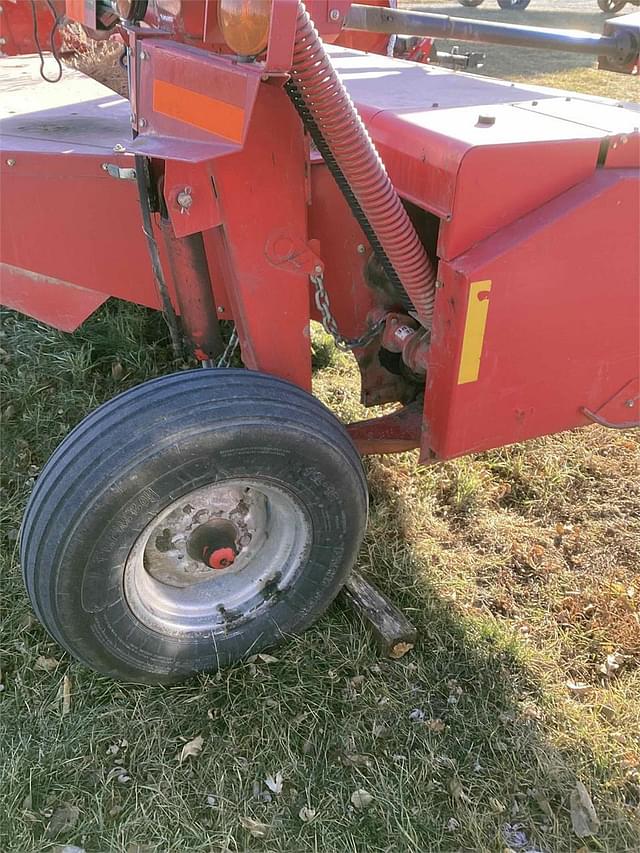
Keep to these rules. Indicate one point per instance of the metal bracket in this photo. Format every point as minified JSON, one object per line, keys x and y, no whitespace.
{"x":122,"y":174}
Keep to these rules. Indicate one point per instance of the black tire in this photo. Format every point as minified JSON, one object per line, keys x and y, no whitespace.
{"x":126,"y":462}
{"x":515,"y":5}
{"x":470,"y":2}
{"x":612,"y":6}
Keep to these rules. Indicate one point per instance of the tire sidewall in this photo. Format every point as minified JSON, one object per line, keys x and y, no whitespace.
{"x":87,"y":592}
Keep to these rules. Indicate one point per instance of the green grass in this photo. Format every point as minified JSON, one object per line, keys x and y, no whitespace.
{"x":519,"y":567}
{"x":469,"y":549}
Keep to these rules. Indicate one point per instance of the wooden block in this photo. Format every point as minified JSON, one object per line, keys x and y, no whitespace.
{"x":392,"y":631}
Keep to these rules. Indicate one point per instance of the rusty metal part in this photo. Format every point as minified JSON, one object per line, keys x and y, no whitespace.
{"x":190,"y":272}
{"x":346,"y":136}
{"x":393,"y":433}
{"x":404,"y":335}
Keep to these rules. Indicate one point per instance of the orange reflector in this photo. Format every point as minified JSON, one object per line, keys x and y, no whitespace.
{"x":245,"y":25}
{"x":226,"y":120}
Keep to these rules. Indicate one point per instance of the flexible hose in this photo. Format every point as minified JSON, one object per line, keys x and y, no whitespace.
{"x":351,"y":146}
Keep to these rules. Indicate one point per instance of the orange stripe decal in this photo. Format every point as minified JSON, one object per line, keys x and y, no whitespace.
{"x":202,"y":111}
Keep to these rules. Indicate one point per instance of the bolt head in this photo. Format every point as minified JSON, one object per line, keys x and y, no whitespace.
{"x":143,"y":122}
{"x":144,"y":55}
{"x":334,"y":15}
{"x":361,"y":248}
{"x":184,"y":199}
{"x":11,"y":162}
{"x":119,"y":148}
{"x":629,"y":403}
{"x":220,"y":309}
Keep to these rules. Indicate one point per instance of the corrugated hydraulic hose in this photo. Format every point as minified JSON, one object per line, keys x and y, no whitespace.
{"x":346,"y":136}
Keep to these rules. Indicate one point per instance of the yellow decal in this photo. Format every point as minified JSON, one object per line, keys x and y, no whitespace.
{"x":477,"y":310}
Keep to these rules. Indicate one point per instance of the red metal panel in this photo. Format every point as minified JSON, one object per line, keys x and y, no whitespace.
{"x":450,"y":140}
{"x":497,"y":184}
{"x":48,"y":299}
{"x":190,"y":197}
{"x":70,"y":221}
{"x":83,"y":11}
{"x":261,"y":192}
{"x":623,"y":151}
{"x":16,"y":26}
{"x":562,"y":306}
{"x":188,"y":94}
{"x":344,"y":250}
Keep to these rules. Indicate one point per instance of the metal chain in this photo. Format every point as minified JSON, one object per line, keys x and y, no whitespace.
{"x":227,"y":355}
{"x":329,"y":321}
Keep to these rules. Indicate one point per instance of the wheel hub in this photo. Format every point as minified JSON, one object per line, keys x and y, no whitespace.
{"x":216,"y":555}
{"x":211,"y":534}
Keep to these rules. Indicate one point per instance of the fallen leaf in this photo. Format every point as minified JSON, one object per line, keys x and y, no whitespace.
{"x":66,"y":695}
{"x":543,"y":803}
{"x":583,"y":814}
{"x":611,"y":665}
{"x":192,"y":749}
{"x":68,"y":848}
{"x":515,"y":836}
{"x":578,"y":688}
{"x":274,"y":783}
{"x":457,"y":791}
{"x":354,"y":759}
{"x":120,"y":774}
{"x":46,"y":664}
{"x":306,"y":814}
{"x":608,"y":712}
{"x":62,"y":820}
{"x":267,"y":658}
{"x":361,"y":799}
{"x":255,"y":827}
{"x":399,"y":650}
{"x":497,"y":806}
{"x":436,"y":725}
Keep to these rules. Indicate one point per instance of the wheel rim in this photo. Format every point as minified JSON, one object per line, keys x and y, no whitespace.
{"x":216,"y":557}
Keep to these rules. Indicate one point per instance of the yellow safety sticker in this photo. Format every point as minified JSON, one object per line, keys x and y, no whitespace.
{"x":474,"y":328}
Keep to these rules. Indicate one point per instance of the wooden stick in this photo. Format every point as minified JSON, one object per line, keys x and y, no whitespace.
{"x":391,"y":629}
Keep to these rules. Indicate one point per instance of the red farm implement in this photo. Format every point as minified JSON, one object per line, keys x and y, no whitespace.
{"x":473,"y":243}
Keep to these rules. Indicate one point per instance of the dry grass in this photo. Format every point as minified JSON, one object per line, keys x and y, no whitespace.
{"x":519,"y":566}
{"x":97,"y":59}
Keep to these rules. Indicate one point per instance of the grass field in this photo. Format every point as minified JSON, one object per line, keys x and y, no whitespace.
{"x":519,"y":566}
